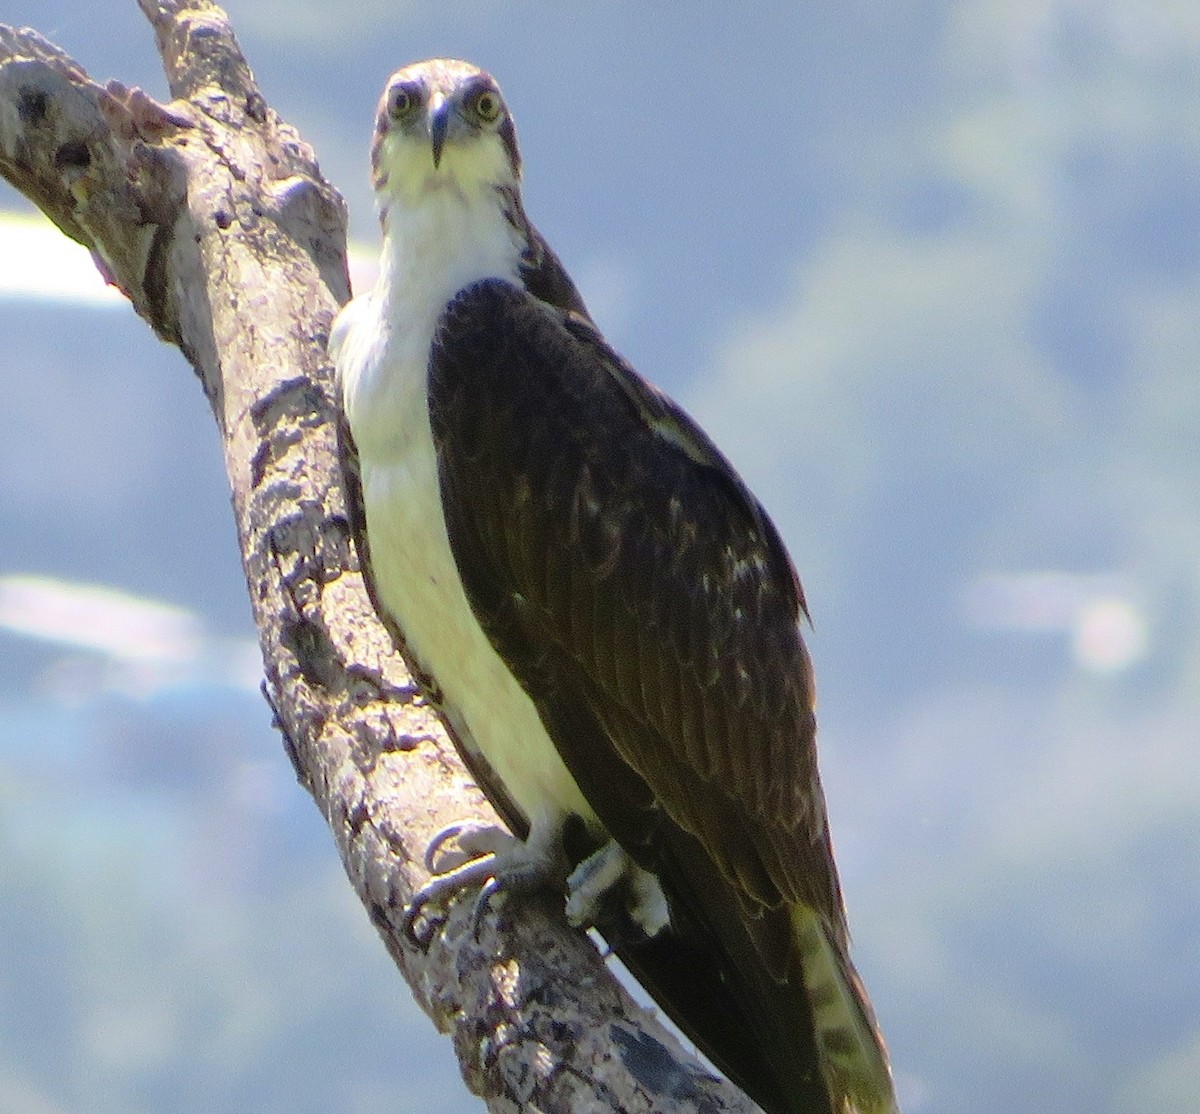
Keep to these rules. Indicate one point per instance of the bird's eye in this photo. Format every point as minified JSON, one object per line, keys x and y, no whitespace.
{"x":487,"y":106}
{"x":403,"y":102}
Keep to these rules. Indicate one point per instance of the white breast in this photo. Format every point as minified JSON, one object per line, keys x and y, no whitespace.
{"x":381,"y":344}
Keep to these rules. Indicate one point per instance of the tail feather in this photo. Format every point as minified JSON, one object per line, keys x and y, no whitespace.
{"x":853,"y":1059}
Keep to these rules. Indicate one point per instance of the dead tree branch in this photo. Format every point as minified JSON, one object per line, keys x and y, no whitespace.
{"x":211,"y":215}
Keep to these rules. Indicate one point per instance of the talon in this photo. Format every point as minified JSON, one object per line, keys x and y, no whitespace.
{"x":439,"y":890}
{"x":416,"y":913}
{"x":487,"y":856}
{"x":437,"y":842}
{"x":483,"y":899}
{"x":475,"y":841}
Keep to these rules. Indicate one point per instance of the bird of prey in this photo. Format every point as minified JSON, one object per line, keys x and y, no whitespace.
{"x":610,"y":617}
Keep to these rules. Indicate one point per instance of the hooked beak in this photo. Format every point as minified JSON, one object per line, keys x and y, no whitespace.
{"x":439,"y":121}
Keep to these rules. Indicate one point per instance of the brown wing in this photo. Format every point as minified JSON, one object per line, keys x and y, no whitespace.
{"x":604,"y":521}
{"x":646,"y":603}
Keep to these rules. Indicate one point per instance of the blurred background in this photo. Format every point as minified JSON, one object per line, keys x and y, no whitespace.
{"x":930,"y":274}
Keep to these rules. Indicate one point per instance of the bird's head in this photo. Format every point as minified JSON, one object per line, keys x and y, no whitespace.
{"x":443,"y":124}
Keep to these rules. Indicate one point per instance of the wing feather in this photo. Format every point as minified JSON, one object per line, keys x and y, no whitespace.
{"x":644,"y":600}
{"x":639,"y":556}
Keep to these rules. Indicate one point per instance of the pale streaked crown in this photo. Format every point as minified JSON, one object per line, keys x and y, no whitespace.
{"x":443,"y":124}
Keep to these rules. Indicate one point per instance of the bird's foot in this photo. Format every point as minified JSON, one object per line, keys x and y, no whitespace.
{"x":486,"y":856}
{"x":468,"y":863}
{"x":474,"y":840}
{"x":592,"y":884}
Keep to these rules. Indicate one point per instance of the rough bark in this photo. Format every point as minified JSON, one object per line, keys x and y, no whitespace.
{"x":211,"y":215}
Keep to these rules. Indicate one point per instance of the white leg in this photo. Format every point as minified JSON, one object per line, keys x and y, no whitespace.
{"x":590,"y":882}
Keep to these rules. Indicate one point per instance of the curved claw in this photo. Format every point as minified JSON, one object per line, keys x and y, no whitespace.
{"x":483,"y":899}
{"x":449,"y":832}
{"x":521,"y":870}
{"x":439,"y":890}
{"x":416,"y":913}
{"x":475,"y":841}
{"x":487,"y":856}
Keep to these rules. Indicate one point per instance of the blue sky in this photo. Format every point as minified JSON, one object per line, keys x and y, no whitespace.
{"x":929,"y":274}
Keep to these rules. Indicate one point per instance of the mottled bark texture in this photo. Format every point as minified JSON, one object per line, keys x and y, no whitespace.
{"x":211,"y":215}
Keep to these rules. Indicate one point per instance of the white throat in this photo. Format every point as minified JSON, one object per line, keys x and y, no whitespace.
{"x":435,"y":244}
{"x":444,"y":238}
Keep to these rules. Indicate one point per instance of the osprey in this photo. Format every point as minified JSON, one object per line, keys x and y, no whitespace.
{"x":610,"y":618}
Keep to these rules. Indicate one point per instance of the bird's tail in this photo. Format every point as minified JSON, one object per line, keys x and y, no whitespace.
{"x":853,"y":1059}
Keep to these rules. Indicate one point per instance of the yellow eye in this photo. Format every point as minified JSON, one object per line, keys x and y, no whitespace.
{"x":404,"y":101}
{"x":487,"y":106}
